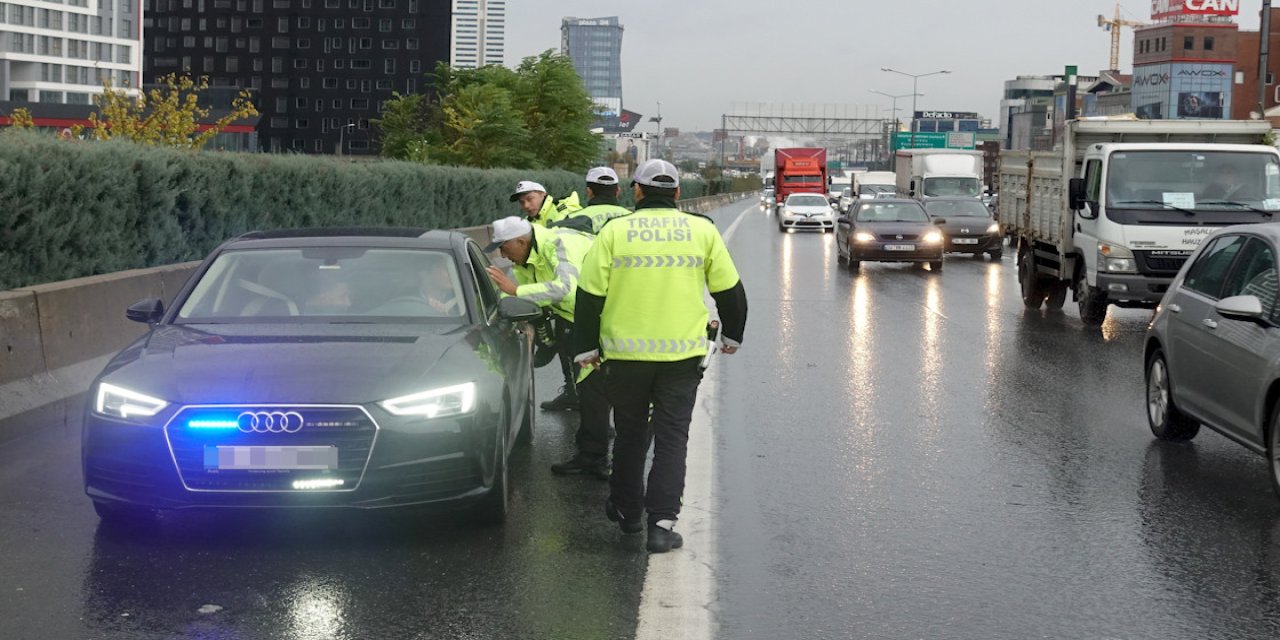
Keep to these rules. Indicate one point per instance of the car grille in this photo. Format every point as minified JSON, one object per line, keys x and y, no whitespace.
{"x":350,"y":429}
{"x":893,"y":237}
{"x":1160,"y":263}
{"x":439,"y":479}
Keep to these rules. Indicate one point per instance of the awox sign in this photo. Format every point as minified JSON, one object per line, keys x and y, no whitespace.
{"x":1162,"y":9}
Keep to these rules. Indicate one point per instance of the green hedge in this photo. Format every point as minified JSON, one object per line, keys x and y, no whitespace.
{"x":72,"y":209}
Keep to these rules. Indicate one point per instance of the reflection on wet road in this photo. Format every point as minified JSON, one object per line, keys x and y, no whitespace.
{"x":908,"y":454}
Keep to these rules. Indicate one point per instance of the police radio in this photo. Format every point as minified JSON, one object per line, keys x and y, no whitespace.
{"x":713,"y":340}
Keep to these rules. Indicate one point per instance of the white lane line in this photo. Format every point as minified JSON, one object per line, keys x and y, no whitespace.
{"x":679,"y":587}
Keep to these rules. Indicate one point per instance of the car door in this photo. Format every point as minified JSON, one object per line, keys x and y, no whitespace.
{"x":1238,"y":349}
{"x":1191,"y":343}
{"x":508,"y":341}
{"x":844,"y":227}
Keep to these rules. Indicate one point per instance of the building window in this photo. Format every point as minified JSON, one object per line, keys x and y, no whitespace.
{"x":361,"y":64}
{"x":389,"y":66}
{"x":280,"y":42}
{"x":1208,"y":43}
{"x":279,"y":123}
{"x":411,"y":44}
{"x":304,"y":43}
{"x":233,"y":64}
{"x":304,"y":83}
{"x":277,"y":65}
{"x":415,"y":66}
{"x":300,"y":63}
{"x":1189,"y":43}
{"x":279,"y":83}
{"x":301,"y":123}
{"x":358,"y":145}
{"x":282,"y":106}
{"x":330,"y":83}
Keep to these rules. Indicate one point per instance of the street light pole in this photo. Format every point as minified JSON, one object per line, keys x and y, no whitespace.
{"x":915,"y":89}
{"x":342,"y":130}
{"x":895,"y":104}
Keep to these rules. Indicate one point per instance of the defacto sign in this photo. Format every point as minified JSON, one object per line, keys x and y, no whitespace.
{"x":1164,"y":9}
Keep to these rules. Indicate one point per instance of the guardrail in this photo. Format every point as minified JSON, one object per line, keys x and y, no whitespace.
{"x":55,"y":338}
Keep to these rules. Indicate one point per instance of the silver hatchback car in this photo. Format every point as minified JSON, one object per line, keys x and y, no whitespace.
{"x":1213,"y":348}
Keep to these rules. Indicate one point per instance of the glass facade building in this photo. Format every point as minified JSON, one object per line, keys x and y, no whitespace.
{"x":595,"y":46}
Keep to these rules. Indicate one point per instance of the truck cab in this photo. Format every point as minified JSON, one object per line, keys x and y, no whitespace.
{"x":939,"y":173}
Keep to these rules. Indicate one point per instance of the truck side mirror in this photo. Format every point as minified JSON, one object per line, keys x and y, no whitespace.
{"x":1076,"y":193}
{"x":911,"y":189}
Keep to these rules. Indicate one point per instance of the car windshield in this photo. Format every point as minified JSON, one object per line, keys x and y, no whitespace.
{"x":1194,"y":180}
{"x":957,"y":209}
{"x":942,"y":187}
{"x":807,"y":200}
{"x":328,"y":284}
{"x":875,"y":189}
{"x":892,"y":212}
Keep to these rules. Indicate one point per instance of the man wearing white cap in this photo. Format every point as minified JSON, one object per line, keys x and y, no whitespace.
{"x":641,"y":310}
{"x":538,"y":207}
{"x":602,"y":199}
{"x":545,"y":263}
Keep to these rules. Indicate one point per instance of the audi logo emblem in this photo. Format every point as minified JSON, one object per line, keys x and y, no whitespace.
{"x":269,"y":421}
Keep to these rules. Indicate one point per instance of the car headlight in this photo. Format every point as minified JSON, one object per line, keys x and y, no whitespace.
{"x":118,"y":402}
{"x":994,"y":228}
{"x":933,"y":237}
{"x":444,"y":402}
{"x":863,"y":236}
{"x":1116,"y":259}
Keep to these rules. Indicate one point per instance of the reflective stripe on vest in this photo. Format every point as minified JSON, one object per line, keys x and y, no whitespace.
{"x":628,"y":345}
{"x":648,"y":262}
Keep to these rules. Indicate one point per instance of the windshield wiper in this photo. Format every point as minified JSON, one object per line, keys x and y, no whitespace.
{"x":1241,"y":205}
{"x":1190,"y":212}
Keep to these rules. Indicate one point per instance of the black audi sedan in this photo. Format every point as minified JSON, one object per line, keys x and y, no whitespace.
{"x":889,"y":230}
{"x":968,"y":228}
{"x":357,"y":368}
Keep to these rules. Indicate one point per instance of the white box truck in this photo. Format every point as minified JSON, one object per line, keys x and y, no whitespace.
{"x":1112,"y":214}
{"x":934,"y":173}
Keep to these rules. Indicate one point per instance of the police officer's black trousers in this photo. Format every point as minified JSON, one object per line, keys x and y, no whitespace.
{"x":671,"y":388}
{"x":595,"y":429}
{"x":564,"y":349}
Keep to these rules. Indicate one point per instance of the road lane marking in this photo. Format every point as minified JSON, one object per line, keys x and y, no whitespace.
{"x":679,"y":587}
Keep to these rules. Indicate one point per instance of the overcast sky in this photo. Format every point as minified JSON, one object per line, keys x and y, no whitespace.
{"x":700,"y":58}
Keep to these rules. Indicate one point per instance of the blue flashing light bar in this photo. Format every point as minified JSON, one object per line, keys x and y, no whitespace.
{"x":212,"y":424}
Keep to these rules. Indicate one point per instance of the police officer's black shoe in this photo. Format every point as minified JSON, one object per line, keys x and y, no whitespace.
{"x":662,"y":538}
{"x":628,"y":526}
{"x":566,"y":401}
{"x":580,"y":464}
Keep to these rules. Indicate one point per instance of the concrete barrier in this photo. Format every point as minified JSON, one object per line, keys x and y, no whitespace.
{"x":21,"y":353}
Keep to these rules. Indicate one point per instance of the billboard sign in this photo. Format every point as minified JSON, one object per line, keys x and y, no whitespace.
{"x":1165,"y":9}
{"x":946,"y":115}
{"x":952,"y":140}
{"x":1183,"y":90}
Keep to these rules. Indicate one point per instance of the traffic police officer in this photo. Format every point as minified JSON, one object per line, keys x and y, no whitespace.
{"x":545,"y":263}
{"x":641,"y":308}
{"x":602,"y":199}
{"x":540,"y":208}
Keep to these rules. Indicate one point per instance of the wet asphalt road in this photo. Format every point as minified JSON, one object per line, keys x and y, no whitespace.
{"x":906,"y":454}
{"x":900,"y":454}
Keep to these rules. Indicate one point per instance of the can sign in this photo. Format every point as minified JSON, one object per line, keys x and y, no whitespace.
{"x":1163,"y":9}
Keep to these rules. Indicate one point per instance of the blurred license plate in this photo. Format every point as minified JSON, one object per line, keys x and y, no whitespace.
{"x":271,"y":458}
{"x":965,"y":241}
{"x":899,"y":247}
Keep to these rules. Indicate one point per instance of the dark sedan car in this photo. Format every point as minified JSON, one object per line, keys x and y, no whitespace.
{"x":889,"y":230}
{"x":969,"y":227}
{"x":321,"y":368}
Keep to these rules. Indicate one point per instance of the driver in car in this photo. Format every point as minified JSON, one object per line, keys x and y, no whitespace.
{"x":329,"y":296}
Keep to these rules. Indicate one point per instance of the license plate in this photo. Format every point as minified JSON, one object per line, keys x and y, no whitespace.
{"x":965,"y":241}
{"x":899,"y":247}
{"x":271,"y":458}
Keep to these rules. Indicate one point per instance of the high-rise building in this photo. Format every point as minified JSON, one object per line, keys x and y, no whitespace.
{"x":595,"y":46}
{"x":1023,"y":94}
{"x":479,"y":33}
{"x":320,"y":69}
{"x":60,"y":53}
{"x":1184,"y":64}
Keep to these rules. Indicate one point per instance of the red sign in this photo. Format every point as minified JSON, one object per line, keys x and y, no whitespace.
{"x":1163,"y":9}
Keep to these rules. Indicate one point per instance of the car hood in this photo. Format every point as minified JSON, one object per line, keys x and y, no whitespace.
{"x":823,"y":210}
{"x":246,"y":364}
{"x":903,"y":228}
{"x":957,"y":225}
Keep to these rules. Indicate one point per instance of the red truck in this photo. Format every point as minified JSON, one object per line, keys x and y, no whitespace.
{"x":799,"y":170}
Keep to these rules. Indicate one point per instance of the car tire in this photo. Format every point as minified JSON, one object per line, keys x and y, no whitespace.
{"x":1273,"y":449}
{"x":524,"y":437}
{"x":1091,"y":301}
{"x":1057,"y":298}
{"x":1033,"y":291}
{"x":492,"y":509}
{"x":935,"y":265}
{"x":855,"y":265}
{"x":1167,"y":422}
{"x":124,"y":516}
{"x":996,"y":255}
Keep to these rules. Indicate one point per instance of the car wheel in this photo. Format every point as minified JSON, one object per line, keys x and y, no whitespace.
{"x":1273,"y":450}
{"x":1033,"y":293}
{"x":124,"y":515}
{"x":855,"y":265}
{"x":935,"y":265}
{"x":1057,"y":298}
{"x":996,"y":255}
{"x":1167,"y":422}
{"x":492,"y":509}
{"x":524,"y":437}
{"x":1091,"y":301}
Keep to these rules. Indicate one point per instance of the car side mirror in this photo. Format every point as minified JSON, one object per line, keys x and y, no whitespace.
{"x":148,"y":311}
{"x":1243,"y":308}
{"x":519,"y":309}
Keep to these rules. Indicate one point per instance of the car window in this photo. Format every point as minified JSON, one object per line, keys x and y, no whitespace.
{"x":957,"y":209}
{"x":327,"y":284}
{"x":488,"y":297}
{"x":1209,"y":272}
{"x":892,"y":212}
{"x":1254,"y":274}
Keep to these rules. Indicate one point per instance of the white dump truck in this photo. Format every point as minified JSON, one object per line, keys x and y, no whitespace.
{"x":934,"y":173}
{"x":1116,"y":209}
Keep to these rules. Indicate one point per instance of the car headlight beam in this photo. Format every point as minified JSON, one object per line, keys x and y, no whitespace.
{"x":864,"y":237}
{"x":994,"y":228}
{"x":119,"y":402}
{"x":444,"y":402}
{"x":933,"y":237}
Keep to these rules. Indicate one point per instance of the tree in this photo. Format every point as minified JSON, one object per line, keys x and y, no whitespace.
{"x":480,"y":128}
{"x":558,"y":111}
{"x":169,"y":115}
{"x":405,"y":125}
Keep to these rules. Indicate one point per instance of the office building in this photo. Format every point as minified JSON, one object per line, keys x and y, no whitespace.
{"x":1023,"y":94}
{"x":478,"y":33}
{"x":1184,"y":63}
{"x":320,"y":69}
{"x":60,"y":53}
{"x":595,"y":46}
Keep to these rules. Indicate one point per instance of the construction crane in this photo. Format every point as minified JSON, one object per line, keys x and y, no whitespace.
{"x":1115,"y":26}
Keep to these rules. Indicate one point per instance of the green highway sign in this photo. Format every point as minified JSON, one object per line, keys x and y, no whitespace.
{"x":951,"y":140}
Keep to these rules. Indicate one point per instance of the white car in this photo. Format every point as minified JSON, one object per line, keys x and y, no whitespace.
{"x":806,"y":211}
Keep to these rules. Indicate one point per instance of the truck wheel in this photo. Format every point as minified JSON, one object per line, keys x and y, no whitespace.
{"x":1091,"y":301}
{"x":1057,"y":297}
{"x":1033,"y":292}
{"x":1167,"y":422}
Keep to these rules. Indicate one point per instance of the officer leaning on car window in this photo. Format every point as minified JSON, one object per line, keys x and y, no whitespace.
{"x":641,"y":315}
